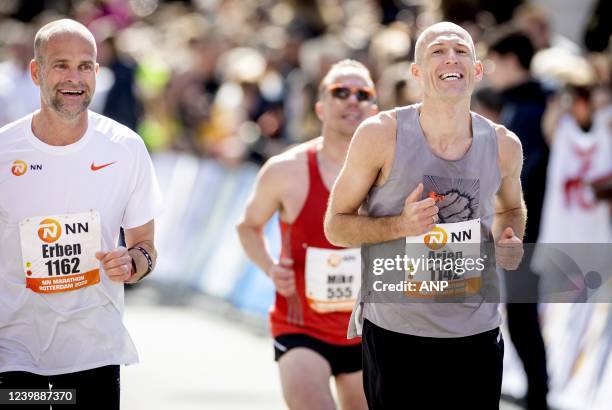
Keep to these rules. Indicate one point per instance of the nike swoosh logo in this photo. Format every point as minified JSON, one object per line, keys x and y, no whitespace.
{"x":95,"y":167}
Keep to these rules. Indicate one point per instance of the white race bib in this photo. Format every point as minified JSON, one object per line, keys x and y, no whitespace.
{"x":333,"y":278}
{"x":59,"y":251}
{"x":446,"y":260}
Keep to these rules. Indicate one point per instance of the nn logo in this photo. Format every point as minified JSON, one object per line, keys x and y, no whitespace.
{"x":50,"y":230}
{"x":334,"y":260}
{"x":436,"y":238}
{"x":19,"y":167}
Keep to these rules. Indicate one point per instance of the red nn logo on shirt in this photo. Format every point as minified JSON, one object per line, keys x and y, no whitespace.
{"x":19,"y":168}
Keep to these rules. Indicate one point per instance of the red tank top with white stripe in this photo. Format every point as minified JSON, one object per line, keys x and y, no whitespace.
{"x":293,"y":315}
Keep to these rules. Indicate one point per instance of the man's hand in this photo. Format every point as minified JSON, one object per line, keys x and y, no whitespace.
{"x":509,"y":250}
{"x":418,"y":217}
{"x":283,"y":277}
{"x":117,"y":264}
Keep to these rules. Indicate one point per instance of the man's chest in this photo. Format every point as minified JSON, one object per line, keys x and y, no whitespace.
{"x":34,"y":183}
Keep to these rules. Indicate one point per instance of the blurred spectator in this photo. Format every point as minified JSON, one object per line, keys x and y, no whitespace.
{"x":389,"y":46}
{"x":397,"y":87}
{"x":561,"y":67}
{"x":523,"y":101}
{"x":460,"y":11}
{"x":192,"y":88}
{"x":535,"y":22}
{"x":18,"y":94}
{"x":121,"y":103}
{"x":488,"y":103}
{"x":581,"y":153}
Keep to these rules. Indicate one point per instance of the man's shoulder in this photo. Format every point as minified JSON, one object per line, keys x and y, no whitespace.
{"x":295,"y":156}
{"x":288,"y":165}
{"x":113,"y":131}
{"x":502,"y":133}
{"x":505,"y":137}
{"x":510,"y":149}
{"x":14,"y":128}
{"x":374,"y":140}
{"x":382,"y":124}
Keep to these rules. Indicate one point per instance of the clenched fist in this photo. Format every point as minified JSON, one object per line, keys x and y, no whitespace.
{"x":418,"y":217}
{"x":283,"y":277}
{"x":509,"y":250}
{"x":117,"y":264}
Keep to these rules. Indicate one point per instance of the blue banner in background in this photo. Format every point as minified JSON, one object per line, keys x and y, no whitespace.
{"x":196,"y":236}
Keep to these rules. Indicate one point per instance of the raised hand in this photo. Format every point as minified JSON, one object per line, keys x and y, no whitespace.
{"x":509,"y":250}
{"x":418,"y":217}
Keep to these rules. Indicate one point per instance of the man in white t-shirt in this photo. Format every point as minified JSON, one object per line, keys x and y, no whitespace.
{"x":580,"y":154}
{"x":69,"y":179}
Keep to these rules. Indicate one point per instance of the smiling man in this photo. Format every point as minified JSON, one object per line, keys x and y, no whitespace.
{"x":411,"y":173}
{"x":70,"y":179}
{"x":316,"y":282}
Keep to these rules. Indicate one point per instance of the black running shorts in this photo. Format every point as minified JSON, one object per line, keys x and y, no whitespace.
{"x":342,"y":359}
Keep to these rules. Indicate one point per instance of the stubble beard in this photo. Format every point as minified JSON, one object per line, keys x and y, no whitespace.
{"x":54,"y":101}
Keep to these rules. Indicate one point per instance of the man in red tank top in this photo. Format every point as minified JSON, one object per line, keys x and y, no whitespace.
{"x":316,"y":282}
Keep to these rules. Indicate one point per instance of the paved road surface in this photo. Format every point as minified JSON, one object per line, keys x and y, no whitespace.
{"x":192,"y":358}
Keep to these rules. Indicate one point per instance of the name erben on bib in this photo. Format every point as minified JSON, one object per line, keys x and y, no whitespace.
{"x":59,"y":251}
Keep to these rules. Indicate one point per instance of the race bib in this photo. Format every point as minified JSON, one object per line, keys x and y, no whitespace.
{"x":333,"y":278}
{"x":445,"y":261}
{"x":59,"y":251}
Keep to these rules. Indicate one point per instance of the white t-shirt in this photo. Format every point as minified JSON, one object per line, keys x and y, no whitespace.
{"x":570,"y":213}
{"x":107,"y":171}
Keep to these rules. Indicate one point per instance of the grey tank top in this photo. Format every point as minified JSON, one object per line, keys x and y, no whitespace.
{"x":469,"y":184}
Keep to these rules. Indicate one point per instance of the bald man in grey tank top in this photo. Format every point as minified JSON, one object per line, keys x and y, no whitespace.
{"x":413,"y":173}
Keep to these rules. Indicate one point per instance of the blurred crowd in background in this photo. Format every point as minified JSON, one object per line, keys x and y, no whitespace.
{"x":237,"y":79}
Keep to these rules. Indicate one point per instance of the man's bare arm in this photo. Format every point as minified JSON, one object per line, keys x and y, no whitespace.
{"x":510,"y":210}
{"x":141,"y":236}
{"x":263,"y":203}
{"x":372,"y":145}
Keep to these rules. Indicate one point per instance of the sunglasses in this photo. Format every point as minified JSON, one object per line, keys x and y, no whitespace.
{"x":343,"y":92}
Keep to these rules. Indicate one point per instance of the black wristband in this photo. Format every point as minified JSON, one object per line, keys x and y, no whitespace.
{"x":134,"y":270}
{"x":147,"y":257}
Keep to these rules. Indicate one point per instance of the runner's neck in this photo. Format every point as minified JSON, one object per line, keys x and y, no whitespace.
{"x":444,"y":123}
{"x":333,"y":150}
{"x":48,"y":127}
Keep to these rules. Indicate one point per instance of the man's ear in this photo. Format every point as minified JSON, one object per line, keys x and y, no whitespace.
{"x":415,"y":70}
{"x":319,"y":111}
{"x":478,"y":70}
{"x":35,"y":68}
